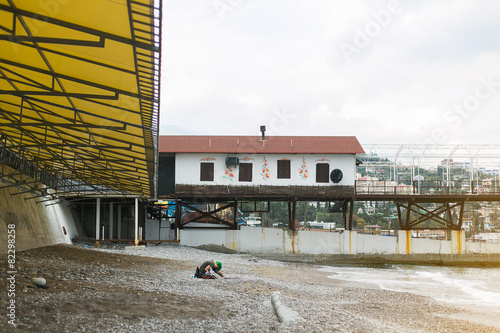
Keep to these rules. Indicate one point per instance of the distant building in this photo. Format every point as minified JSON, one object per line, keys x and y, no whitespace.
{"x":433,"y":234}
{"x":372,"y":229}
{"x":488,"y":236}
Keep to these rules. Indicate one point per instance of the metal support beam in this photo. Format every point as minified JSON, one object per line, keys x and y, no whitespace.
{"x":111,"y":222}
{"x":136,"y":225}
{"x":351,"y":211}
{"x":235,"y":216}
{"x":119,"y":223}
{"x":441,"y":215}
{"x":292,"y":204}
{"x":97,"y":218}
{"x":211,"y":216}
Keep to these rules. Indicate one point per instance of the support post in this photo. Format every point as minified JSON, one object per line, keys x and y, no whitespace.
{"x":404,"y":242}
{"x":408,"y":216}
{"x":291,"y":214}
{"x":235,"y":215}
{"x":457,"y":241}
{"x":111,"y":222}
{"x":97,"y":218}
{"x":177,"y":218}
{"x":136,"y":218}
{"x":348,"y":242}
{"x":351,"y":214}
{"x":461,"y":214}
{"x":400,"y":219}
{"x":119,"y":223}
{"x":159,"y":222}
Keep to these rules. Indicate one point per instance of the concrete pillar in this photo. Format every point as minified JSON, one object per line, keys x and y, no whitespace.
{"x":348,"y":242}
{"x":136,"y":217}
{"x":111,"y":222}
{"x":97,"y":218}
{"x":404,"y":242}
{"x":457,"y":241}
{"x":119,"y":223}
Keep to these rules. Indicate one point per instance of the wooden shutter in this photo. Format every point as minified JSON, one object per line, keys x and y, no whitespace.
{"x":284,"y":169}
{"x":207,"y":172}
{"x":322,"y":173}
{"x":245,"y":172}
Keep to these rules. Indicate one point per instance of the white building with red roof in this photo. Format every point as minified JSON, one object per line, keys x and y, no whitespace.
{"x":255,"y":165}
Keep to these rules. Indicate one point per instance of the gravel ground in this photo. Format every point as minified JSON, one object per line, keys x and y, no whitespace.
{"x":110,"y":289}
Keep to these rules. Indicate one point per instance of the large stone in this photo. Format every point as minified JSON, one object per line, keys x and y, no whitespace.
{"x":40,"y":282}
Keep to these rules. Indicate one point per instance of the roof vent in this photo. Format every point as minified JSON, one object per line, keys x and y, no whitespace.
{"x":263,"y":130}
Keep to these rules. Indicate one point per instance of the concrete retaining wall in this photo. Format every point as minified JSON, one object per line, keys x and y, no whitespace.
{"x":280,"y":241}
{"x":423,"y":245}
{"x":376,"y":244}
{"x":482,"y":247}
{"x":36,"y":225}
{"x":197,"y":237}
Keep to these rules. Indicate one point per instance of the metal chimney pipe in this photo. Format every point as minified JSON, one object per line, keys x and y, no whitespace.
{"x":263,"y":130}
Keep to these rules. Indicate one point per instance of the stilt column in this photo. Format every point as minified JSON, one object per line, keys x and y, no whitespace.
{"x":97,"y":218}
{"x":404,"y":242}
{"x":136,"y":217}
{"x":111,"y":224}
{"x":457,"y":241}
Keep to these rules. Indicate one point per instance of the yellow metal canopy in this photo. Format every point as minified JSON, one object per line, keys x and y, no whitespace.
{"x":79,"y":95}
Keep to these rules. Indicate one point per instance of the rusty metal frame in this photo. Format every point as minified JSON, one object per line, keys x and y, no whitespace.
{"x":441,"y":215}
{"x":210,"y":215}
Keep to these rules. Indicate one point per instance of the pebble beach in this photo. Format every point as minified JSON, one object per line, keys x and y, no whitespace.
{"x":110,"y":289}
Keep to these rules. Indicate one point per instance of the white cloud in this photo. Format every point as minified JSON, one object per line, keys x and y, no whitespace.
{"x":230,"y":76}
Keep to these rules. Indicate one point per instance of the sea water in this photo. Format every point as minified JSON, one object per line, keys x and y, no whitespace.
{"x":459,"y":286}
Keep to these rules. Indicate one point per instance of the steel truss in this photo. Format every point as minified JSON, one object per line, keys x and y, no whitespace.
{"x":209,"y":216}
{"x":75,"y":135}
{"x":441,"y":214}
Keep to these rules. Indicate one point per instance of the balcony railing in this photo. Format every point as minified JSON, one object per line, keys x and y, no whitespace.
{"x":426,"y":188}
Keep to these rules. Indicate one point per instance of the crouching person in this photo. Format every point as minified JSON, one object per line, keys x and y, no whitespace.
{"x":204,"y":270}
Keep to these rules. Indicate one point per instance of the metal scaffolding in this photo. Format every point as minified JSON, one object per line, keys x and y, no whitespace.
{"x":79,"y":97}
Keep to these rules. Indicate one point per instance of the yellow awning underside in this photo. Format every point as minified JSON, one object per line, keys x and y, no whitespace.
{"x":79,"y":95}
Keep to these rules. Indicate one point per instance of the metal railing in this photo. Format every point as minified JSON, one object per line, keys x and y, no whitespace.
{"x":426,"y":188}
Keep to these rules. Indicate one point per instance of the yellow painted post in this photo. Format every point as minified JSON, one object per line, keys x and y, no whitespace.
{"x":408,"y":241}
{"x":457,"y":238}
{"x":350,"y":233}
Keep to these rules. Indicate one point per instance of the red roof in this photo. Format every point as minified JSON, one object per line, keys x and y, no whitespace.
{"x":254,"y":144}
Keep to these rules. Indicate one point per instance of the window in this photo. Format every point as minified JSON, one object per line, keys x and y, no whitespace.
{"x":284,"y":169}
{"x":322,"y":173}
{"x":207,"y":172}
{"x":245,"y":172}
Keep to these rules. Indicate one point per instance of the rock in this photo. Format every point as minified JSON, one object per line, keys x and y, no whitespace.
{"x":40,"y":282}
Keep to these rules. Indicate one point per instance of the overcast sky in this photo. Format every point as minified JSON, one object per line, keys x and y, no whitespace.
{"x":383,"y":71}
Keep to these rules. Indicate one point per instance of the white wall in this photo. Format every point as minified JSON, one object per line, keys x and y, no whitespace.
{"x":187,"y":168}
{"x":318,"y":242}
{"x":423,"y":245}
{"x":197,"y":237}
{"x":276,"y":240}
{"x":475,"y":247}
{"x":376,"y":244}
{"x":152,"y":230}
{"x":61,"y":216}
{"x":36,"y":225}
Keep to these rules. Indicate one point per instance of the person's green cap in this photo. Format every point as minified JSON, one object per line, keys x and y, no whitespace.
{"x":219,"y":264}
